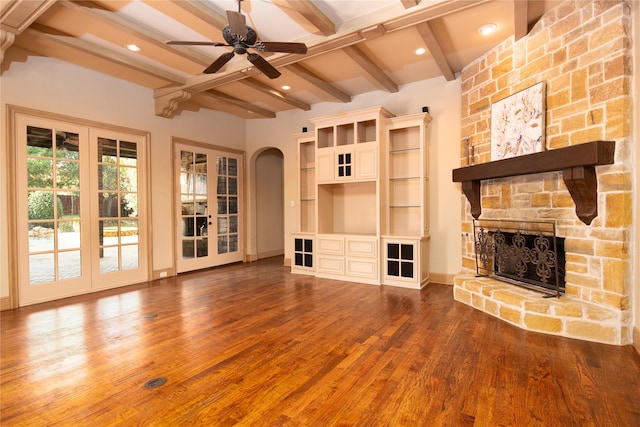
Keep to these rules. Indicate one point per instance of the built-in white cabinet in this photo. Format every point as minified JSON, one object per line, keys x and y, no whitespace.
{"x":407,"y":166}
{"x":406,"y":235}
{"x":307,"y":181}
{"x":303,"y":261}
{"x":348,"y":145}
{"x":364,"y":183}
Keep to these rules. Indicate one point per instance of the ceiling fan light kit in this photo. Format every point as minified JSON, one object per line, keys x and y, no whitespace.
{"x":238,"y":35}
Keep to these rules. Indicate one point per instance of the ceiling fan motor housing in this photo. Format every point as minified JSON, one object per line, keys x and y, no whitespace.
{"x":240,"y":44}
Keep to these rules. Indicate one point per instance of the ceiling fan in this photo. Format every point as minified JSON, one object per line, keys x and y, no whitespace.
{"x":240,"y":36}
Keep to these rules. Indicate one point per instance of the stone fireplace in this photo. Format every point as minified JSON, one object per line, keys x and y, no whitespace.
{"x":581,"y":49}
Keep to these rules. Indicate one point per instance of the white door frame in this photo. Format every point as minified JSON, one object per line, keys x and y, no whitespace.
{"x":213,"y":259}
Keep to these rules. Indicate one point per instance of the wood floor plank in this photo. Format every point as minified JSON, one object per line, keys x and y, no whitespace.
{"x":253,"y":345}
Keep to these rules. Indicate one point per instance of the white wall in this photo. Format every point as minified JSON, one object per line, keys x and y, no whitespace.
{"x":443,"y":100}
{"x":58,"y":87}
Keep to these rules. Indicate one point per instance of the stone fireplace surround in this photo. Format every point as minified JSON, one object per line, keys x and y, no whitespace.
{"x":582,"y":50}
{"x":567,"y":316}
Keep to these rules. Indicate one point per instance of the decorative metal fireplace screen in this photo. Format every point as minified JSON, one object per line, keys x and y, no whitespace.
{"x":524,"y":253}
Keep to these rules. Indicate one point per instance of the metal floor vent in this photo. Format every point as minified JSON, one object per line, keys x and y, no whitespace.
{"x":155,"y":383}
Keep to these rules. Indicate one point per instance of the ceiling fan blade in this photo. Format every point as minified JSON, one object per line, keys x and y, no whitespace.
{"x":263,"y":65}
{"x":218,"y":63}
{"x":237,"y":23}
{"x":285,"y":47}
{"x":188,"y":43}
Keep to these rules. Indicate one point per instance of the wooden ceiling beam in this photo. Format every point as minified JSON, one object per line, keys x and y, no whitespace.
{"x":226,"y":99}
{"x":139,"y":31}
{"x":275,"y":94}
{"x":319,"y":83}
{"x":305,"y":13}
{"x":374,"y":72}
{"x":520,"y":18}
{"x":430,"y":39}
{"x":431,"y":12}
{"x":409,"y":3}
{"x":193,"y":14}
{"x":103,"y":53}
{"x":17,"y":15}
{"x":201,"y":11}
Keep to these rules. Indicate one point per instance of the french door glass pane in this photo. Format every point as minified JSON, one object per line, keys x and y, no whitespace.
{"x":53,"y":195}
{"x":227,"y":200}
{"x":118,"y":205}
{"x":40,"y":172}
{"x":69,"y":265}
{"x":130,"y":257}
{"x":194,"y":190}
{"x":41,"y":268}
{"x":128,"y":154}
{"x":233,"y":167}
{"x":107,"y":150}
{"x":109,"y":258}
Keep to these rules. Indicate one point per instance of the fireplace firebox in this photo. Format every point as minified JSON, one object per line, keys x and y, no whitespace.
{"x":524,"y":253}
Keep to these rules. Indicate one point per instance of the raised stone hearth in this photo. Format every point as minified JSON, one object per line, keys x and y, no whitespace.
{"x":529,"y":310}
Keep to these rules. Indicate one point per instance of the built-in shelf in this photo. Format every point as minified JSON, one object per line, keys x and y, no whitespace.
{"x":576,"y":162}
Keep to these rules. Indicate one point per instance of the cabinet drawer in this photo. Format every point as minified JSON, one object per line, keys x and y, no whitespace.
{"x":330,"y":265}
{"x":367,"y":268}
{"x":330,"y":245}
{"x":359,"y":247}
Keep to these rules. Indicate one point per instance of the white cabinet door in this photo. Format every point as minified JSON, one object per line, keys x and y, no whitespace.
{"x":344,"y":161}
{"x":324,"y":165}
{"x":366,"y":161}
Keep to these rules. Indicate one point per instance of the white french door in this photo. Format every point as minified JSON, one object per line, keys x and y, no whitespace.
{"x":80,"y":208}
{"x":120,"y":232}
{"x":208,"y":185}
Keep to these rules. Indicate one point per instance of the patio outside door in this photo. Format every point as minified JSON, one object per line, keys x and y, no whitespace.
{"x":208,"y":212}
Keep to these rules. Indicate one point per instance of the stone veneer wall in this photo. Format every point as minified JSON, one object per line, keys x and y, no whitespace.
{"x":582,"y":50}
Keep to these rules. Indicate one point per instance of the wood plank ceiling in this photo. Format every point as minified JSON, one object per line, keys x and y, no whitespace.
{"x":354,"y":46}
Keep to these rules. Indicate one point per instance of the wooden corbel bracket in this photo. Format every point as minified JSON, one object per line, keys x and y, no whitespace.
{"x":577,"y":164}
{"x":168,"y":99}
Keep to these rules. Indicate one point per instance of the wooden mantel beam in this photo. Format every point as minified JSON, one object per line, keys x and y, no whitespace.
{"x":576,"y":162}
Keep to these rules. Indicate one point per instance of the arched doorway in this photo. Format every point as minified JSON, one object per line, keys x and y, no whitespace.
{"x":269,"y":186}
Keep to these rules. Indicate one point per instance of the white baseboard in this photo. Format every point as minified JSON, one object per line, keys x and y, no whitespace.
{"x":269,"y":254}
{"x":442,"y":278}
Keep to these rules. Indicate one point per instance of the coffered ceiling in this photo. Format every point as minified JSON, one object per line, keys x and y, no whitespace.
{"x":354,"y":46}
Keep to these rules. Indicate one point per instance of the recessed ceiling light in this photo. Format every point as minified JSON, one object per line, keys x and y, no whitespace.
{"x":420,"y":51}
{"x":487,"y":29}
{"x":286,"y":87}
{"x":133,"y":48}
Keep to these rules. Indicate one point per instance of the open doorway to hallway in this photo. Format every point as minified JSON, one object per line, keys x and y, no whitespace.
{"x":269,"y":185}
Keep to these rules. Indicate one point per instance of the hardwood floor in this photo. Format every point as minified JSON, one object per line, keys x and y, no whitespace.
{"x":251,"y":344}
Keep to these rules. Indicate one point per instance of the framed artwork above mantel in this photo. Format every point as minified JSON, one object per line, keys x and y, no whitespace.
{"x":518,"y":123}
